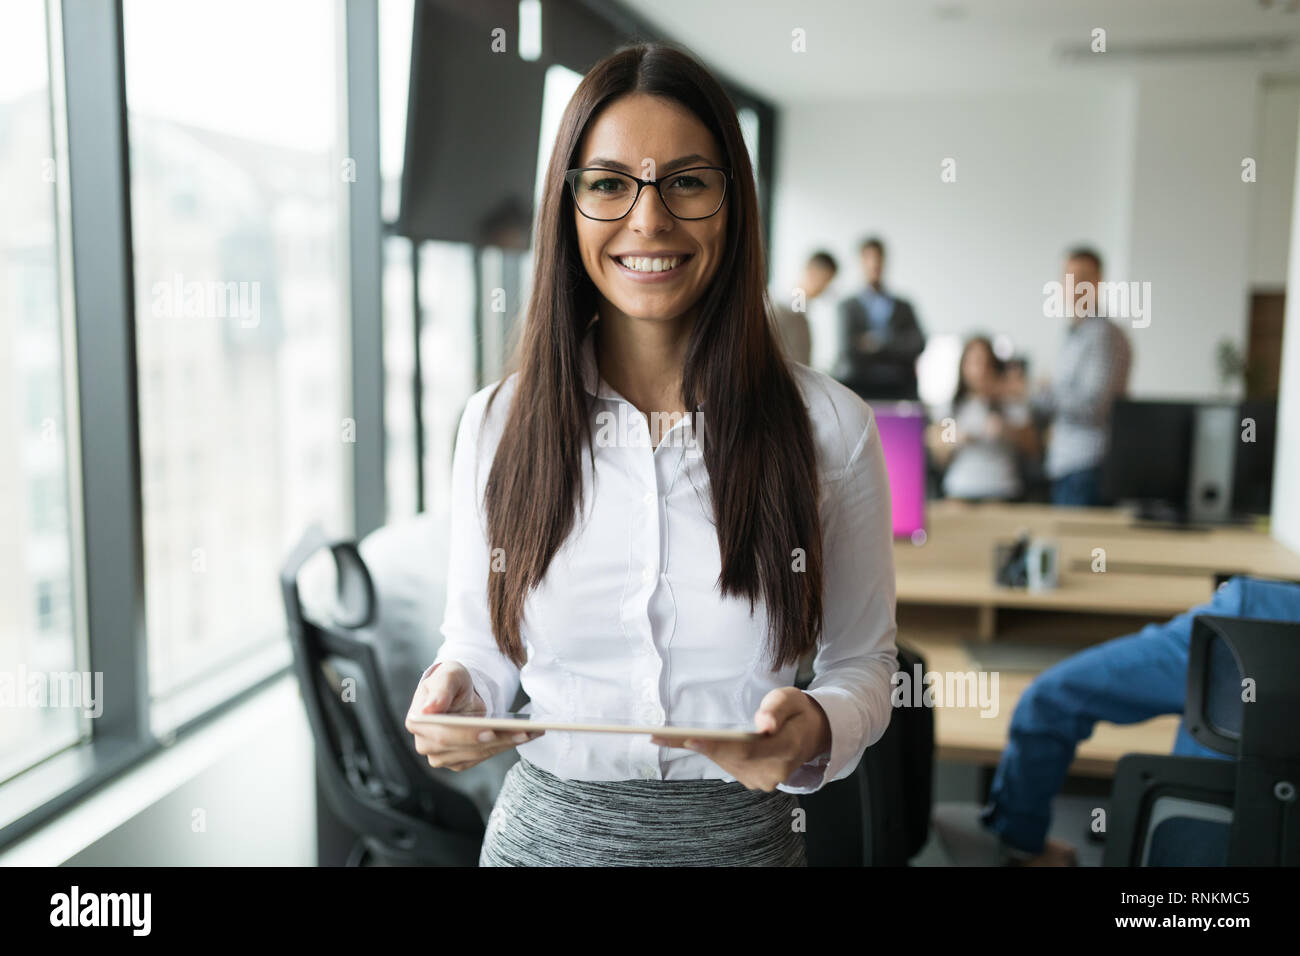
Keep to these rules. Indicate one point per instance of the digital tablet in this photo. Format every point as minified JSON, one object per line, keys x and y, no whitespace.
{"x":517,"y":722}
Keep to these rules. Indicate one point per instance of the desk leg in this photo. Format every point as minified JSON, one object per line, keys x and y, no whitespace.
{"x":987,"y":622}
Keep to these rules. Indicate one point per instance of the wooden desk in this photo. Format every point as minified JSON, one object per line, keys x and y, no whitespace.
{"x":946,"y":596}
{"x":1152,"y":573}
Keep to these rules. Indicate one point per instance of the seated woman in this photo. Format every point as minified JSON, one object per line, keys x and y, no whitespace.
{"x":981,"y":444}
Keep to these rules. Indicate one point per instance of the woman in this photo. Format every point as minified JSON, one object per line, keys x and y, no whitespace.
{"x":988,"y":433}
{"x":656,"y":516}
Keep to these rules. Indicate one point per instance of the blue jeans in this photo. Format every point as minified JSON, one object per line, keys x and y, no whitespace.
{"x":1125,"y":681}
{"x":1079,"y":489}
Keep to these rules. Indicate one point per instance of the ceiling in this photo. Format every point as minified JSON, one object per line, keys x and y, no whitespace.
{"x":860,"y":48}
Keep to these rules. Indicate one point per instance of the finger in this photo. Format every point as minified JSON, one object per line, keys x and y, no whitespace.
{"x":778,"y":706}
{"x":445,"y":695}
{"x":448,"y":737}
{"x":479,"y":751}
{"x":719,"y":751}
{"x":505,"y":739}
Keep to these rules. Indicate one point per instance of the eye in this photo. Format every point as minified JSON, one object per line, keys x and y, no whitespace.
{"x":610,"y":184}
{"x":686,"y":182}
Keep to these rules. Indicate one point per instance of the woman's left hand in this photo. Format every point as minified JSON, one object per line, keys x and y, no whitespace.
{"x":794,"y":728}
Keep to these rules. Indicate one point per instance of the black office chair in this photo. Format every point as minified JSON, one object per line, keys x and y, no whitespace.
{"x":879,"y":815}
{"x":372,"y":780}
{"x":1190,"y":811}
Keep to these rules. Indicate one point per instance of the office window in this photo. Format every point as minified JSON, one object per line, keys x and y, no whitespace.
{"x":401,"y":472}
{"x":399,"y":380}
{"x":396,"y":21}
{"x":447,"y":352}
{"x":237,"y":202}
{"x":37,"y":637}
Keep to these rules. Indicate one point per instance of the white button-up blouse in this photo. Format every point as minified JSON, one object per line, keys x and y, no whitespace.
{"x":628,"y":622}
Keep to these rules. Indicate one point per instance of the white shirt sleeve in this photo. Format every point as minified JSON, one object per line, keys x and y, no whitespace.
{"x":467,"y":625}
{"x":857,"y":658}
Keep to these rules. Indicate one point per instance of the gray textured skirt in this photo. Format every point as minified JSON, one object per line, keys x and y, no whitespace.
{"x":543,"y":820}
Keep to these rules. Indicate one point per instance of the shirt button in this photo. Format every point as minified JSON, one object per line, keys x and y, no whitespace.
{"x":649,"y":773}
{"x":649,"y":498}
{"x":648,"y":575}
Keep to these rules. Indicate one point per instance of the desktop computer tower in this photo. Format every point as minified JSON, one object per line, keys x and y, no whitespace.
{"x":1216,"y":434}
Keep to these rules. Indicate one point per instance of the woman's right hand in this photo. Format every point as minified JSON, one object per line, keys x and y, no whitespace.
{"x":450,"y":690}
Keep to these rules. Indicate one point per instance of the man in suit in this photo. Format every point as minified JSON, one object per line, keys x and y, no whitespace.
{"x":880,"y":338}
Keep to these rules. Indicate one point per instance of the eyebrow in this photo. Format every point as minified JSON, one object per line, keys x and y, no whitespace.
{"x":694,"y":159}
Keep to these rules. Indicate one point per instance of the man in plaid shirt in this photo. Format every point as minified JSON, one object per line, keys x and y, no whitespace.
{"x":1092,"y":371}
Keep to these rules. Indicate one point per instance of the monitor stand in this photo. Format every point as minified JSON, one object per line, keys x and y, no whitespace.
{"x":1162,"y":514}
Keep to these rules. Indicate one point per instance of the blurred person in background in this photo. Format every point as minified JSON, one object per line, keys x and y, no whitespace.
{"x":880,"y":338}
{"x":982,"y":445}
{"x":791,"y":322}
{"x":1091,"y":372}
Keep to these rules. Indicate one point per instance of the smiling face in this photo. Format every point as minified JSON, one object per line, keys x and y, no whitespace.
{"x":649,"y":264}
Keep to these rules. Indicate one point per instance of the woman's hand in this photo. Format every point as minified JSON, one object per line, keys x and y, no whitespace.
{"x":795,"y":730}
{"x":994,"y":427}
{"x":450,"y":690}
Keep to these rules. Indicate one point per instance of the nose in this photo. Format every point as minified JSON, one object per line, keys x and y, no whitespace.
{"x":649,"y":216}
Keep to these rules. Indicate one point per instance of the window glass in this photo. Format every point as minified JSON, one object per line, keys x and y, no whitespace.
{"x":38,"y":643}
{"x":238,"y":202}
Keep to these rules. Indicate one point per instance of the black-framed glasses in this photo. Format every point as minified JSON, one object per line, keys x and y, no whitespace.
{"x":607,"y":194}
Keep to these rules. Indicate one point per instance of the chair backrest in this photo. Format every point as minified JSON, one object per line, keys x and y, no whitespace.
{"x":1170,"y":811}
{"x":1243,"y":692}
{"x":880,"y":815}
{"x":897,"y":776}
{"x":375,"y":783}
{"x":1243,"y":698}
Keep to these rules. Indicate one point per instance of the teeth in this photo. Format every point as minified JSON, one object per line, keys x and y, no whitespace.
{"x":643,"y":264}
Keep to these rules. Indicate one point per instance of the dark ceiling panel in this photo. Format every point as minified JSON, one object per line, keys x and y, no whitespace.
{"x":473,"y":127}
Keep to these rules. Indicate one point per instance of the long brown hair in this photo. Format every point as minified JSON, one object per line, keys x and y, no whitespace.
{"x":759,"y":450}
{"x":998,"y":366}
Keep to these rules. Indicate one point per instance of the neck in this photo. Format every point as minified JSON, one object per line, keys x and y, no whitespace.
{"x":642,"y":359}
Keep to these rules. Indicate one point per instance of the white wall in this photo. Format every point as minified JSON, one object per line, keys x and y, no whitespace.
{"x":1286,"y":469}
{"x":1191,"y":224}
{"x":972,"y":254}
{"x":1144,"y":166}
{"x":1279,"y":117}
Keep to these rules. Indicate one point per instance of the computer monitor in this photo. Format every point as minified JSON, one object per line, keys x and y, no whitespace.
{"x":1197,"y":461}
{"x":1149,"y":457}
{"x":1252,"y":483}
{"x":902,"y":435}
